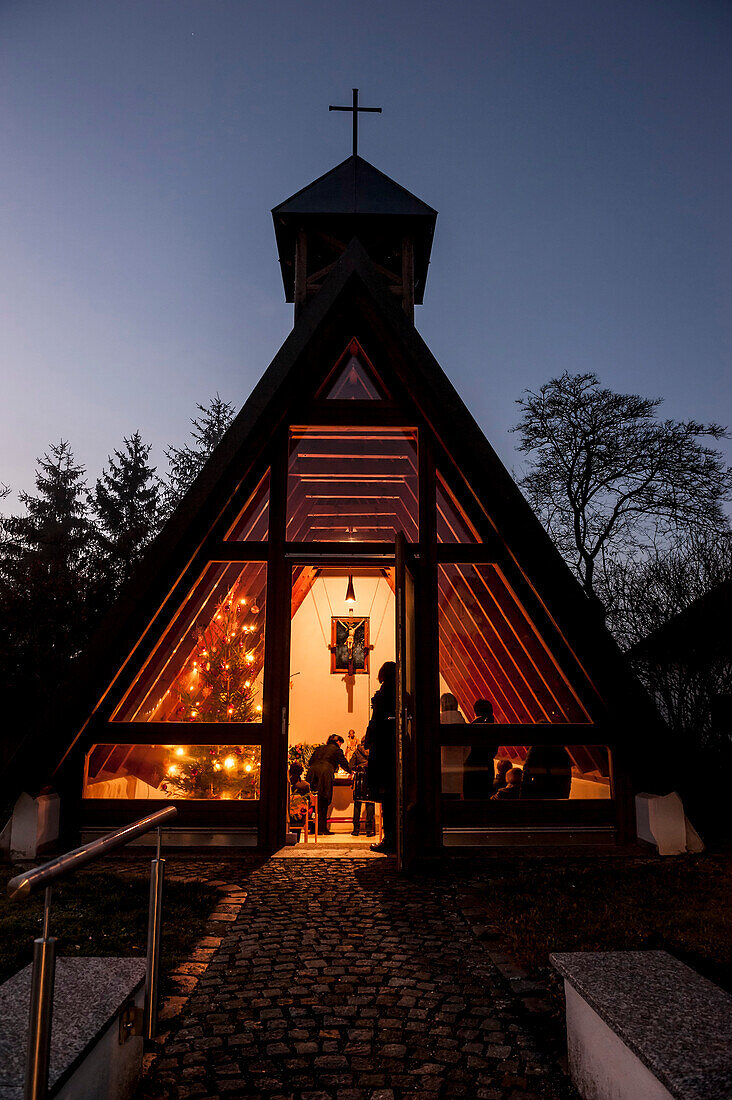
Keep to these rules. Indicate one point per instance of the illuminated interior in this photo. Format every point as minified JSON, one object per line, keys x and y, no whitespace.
{"x":221,"y":772}
{"x":252,"y":523}
{"x":352,"y":485}
{"x":522,"y":773}
{"x":209,"y":665}
{"x":490,"y":649}
{"x":452,"y":523}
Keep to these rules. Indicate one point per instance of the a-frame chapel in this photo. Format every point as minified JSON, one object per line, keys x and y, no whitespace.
{"x":354,"y":514}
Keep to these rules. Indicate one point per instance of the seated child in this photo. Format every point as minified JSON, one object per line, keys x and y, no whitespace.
{"x":513,"y":785}
{"x":299,"y":808}
{"x":502,"y":766}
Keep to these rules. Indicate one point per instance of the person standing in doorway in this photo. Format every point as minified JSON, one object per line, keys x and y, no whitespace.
{"x":380,"y":743}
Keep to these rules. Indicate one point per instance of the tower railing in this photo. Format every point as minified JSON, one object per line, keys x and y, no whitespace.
{"x":44,"y":948}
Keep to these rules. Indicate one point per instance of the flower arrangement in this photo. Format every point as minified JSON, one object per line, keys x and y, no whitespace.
{"x":300,"y":754}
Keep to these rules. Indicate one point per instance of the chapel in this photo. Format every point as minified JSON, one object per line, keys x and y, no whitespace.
{"x":355,"y":514}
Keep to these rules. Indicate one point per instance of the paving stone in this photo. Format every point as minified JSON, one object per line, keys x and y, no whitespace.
{"x":342,"y":980}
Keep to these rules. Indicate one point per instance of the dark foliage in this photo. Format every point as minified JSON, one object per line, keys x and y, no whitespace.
{"x":185,"y":463}
{"x":47,"y":591}
{"x":126,"y":505}
{"x":610,"y":480}
{"x":63,"y":561}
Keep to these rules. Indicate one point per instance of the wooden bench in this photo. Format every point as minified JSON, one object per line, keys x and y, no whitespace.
{"x":643,"y":1026}
{"x":96,"y":1040}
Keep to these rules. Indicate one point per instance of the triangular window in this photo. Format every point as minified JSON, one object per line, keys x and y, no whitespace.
{"x":208,"y":665}
{"x":252,"y":523}
{"x":353,"y":379}
{"x":452,"y":523}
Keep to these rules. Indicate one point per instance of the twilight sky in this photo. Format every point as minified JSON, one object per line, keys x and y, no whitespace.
{"x":578,"y":154}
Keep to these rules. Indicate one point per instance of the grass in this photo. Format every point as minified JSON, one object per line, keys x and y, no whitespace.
{"x":682,"y":905}
{"x":104,"y":914}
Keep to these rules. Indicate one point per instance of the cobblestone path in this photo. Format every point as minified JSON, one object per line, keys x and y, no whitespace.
{"x":340,"y":979}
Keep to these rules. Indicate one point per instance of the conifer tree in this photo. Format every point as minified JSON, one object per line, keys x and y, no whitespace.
{"x":44,"y":577}
{"x":185,"y":463}
{"x":126,"y":503}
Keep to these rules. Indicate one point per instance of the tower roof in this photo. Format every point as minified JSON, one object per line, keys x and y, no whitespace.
{"x":354,"y":199}
{"x":355,"y":187}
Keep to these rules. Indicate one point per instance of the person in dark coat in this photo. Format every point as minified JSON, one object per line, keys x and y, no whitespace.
{"x":547,"y":772}
{"x":323,"y":765}
{"x":380,"y":741}
{"x":359,"y":761}
{"x":479,"y":767}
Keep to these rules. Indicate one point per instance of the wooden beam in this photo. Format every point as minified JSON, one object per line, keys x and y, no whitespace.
{"x":408,"y":276}
{"x":301,"y":270}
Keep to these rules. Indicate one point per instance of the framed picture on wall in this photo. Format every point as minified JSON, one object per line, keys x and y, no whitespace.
{"x":349,"y":645}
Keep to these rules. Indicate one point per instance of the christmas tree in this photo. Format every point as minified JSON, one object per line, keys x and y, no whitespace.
{"x":213,"y":771}
{"x":221,"y":673}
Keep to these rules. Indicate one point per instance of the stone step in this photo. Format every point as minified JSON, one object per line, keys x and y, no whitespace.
{"x":87,"y":1058}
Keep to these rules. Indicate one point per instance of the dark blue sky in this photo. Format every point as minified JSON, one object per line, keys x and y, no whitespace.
{"x":578,"y":154}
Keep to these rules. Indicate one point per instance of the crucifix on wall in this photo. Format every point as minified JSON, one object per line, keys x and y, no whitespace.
{"x":349,"y":645}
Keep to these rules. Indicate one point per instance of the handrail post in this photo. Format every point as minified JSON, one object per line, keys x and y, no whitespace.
{"x":152,"y":973}
{"x":41,"y":1010}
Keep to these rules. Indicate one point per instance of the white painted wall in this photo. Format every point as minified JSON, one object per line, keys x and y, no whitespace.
{"x":319,"y":701}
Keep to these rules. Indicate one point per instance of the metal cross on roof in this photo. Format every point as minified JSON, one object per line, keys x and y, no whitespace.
{"x":355,"y":109}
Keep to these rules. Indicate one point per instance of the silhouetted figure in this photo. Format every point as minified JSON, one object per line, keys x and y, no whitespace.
{"x":452,"y":757}
{"x":547,"y":772}
{"x":449,"y":713}
{"x":380,"y":742}
{"x":323,"y":765}
{"x":479,"y":766}
{"x":359,"y":761}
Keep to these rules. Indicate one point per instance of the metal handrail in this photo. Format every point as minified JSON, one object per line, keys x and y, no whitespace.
{"x":44,"y":948}
{"x":25,"y":883}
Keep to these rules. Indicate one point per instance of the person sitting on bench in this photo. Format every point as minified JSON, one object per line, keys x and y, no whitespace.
{"x":547,"y":772}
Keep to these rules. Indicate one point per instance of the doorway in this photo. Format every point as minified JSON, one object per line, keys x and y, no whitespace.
{"x":342,"y":630}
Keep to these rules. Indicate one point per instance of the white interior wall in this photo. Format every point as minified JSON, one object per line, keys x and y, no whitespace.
{"x":319,"y":701}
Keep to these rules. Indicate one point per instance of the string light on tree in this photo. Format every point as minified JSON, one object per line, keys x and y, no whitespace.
{"x":214,"y":771}
{"x":219,"y":687}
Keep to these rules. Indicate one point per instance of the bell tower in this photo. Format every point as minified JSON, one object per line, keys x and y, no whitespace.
{"x":315,"y":226}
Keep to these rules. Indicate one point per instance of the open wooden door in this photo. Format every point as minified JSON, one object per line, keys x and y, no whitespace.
{"x":405,"y":731}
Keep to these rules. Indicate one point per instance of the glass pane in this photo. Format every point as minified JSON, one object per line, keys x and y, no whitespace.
{"x":503,"y":773}
{"x":224,"y":772}
{"x":452,"y":523}
{"x":353,"y":379}
{"x":252,"y":524}
{"x":209,"y":665}
{"x":491,"y":651}
{"x":352,"y":485}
